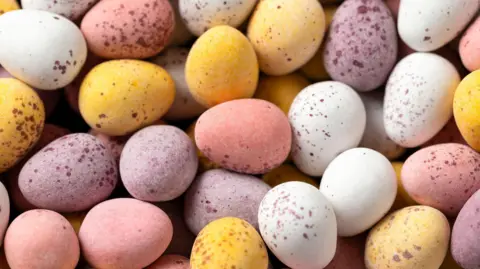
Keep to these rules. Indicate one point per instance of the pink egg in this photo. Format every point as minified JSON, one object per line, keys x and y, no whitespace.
{"x":469,"y":46}
{"x":442,"y":176}
{"x":41,"y":239}
{"x":124,"y":233}
{"x":170,"y":262}
{"x":249,"y":136}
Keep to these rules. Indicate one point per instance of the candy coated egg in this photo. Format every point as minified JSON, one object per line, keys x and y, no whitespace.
{"x":181,"y":34}
{"x":361,"y":46}
{"x":412,"y":237}
{"x":349,"y":253}
{"x":298,"y":225}
{"x":229,"y":243}
{"x":73,"y":10}
{"x":170,"y":262}
{"x":285,"y":173}
{"x":220,"y":193}
{"x":76,"y":219}
{"x":114,"y":143}
{"x":403,"y":199}
{"x":375,"y":136}
{"x":442,"y":176}
{"x":8,"y":5}
{"x":448,"y":134}
{"x":120,"y":29}
{"x":184,"y":106}
{"x":39,"y":232}
{"x":248,"y":136}
{"x":362,"y":194}
{"x":204,"y":163}
{"x":4,"y":211}
{"x":121,"y":96}
{"x":429,"y":25}
{"x":61,"y":38}
{"x":469,"y":46}
{"x":201,"y":15}
{"x":465,"y":249}
{"x":286,"y":34}
{"x":145,"y":227}
{"x":21,"y":123}
{"x":72,"y":173}
{"x":228,"y":64}
{"x":281,"y":90}
{"x":418,"y":98}
{"x":158,"y":163}
{"x":327,"y":118}
{"x":466,"y":105}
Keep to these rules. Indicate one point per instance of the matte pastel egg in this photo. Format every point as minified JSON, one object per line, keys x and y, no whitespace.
{"x":73,"y":10}
{"x":8,"y":5}
{"x":204,"y":163}
{"x":469,"y":47}
{"x":4,"y":211}
{"x":249,"y":136}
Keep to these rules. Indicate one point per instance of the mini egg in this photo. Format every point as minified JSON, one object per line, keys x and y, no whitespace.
{"x":129,"y":29}
{"x":281,"y":90}
{"x":430,"y":24}
{"x":412,"y":237}
{"x":184,"y":106}
{"x":361,"y":46}
{"x":204,"y":164}
{"x":4,"y":211}
{"x":286,"y":34}
{"x":73,"y":10}
{"x":145,"y":227}
{"x":41,"y":239}
{"x":285,"y":173}
{"x":465,"y":109}
{"x":403,"y":199}
{"x":418,"y":100}
{"x":375,"y":136}
{"x":469,"y":46}
{"x":121,"y":96}
{"x":201,"y":15}
{"x":233,"y":135}
{"x":220,"y":193}
{"x":349,"y":253}
{"x":362,"y":194}
{"x":229,"y":243}
{"x":170,"y":262}
{"x":114,"y":143}
{"x":61,"y":38}
{"x":21,"y":123}
{"x":327,"y":118}
{"x":8,"y":5}
{"x":158,"y":163}
{"x":181,"y":34}
{"x":220,"y":53}
{"x":298,"y":225}
{"x":71,"y":174}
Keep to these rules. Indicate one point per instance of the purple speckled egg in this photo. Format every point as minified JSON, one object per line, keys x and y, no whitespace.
{"x":158,"y":163}
{"x":72,"y":173}
{"x":361,"y":46}
{"x":220,"y":193}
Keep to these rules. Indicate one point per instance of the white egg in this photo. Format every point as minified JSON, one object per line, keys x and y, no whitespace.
{"x":427,"y":25}
{"x":298,"y":225}
{"x":361,"y":185}
{"x":419,"y":98}
{"x":184,"y":106}
{"x":41,"y":48}
{"x":181,"y":34}
{"x":375,"y":137}
{"x":4,"y":211}
{"x":201,"y":15}
{"x":327,"y":118}
{"x":72,"y":9}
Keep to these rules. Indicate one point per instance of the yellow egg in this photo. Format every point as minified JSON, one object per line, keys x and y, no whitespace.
{"x":76,"y":219}
{"x":285,"y":173}
{"x":204,"y":164}
{"x":466,"y":109}
{"x":412,"y":237}
{"x":403,"y":199}
{"x":281,"y":90}
{"x":221,"y":66}
{"x":121,"y":96}
{"x":286,"y":34}
{"x":8,"y":5}
{"x":22,"y":116}
{"x":314,"y":69}
{"x":229,"y":243}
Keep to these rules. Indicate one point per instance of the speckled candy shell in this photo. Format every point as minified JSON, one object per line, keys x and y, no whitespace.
{"x":73,"y":10}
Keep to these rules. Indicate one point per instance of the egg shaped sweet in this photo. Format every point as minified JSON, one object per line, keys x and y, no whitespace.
{"x":248,"y":136}
{"x":38,"y":32}
{"x":361,"y":46}
{"x":469,"y":46}
{"x":219,"y":193}
{"x":73,"y":10}
{"x":286,"y":34}
{"x":72,"y":173}
{"x":419,"y":98}
{"x":170,"y":262}
{"x":4,"y":211}
{"x":298,"y":225}
{"x":145,"y":227}
{"x":204,"y":164}
{"x":8,"y":5}
{"x":327,"y":118}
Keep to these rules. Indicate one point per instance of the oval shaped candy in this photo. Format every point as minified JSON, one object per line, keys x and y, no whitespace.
{"x":73,"y":10}
{"x":4,"y":211}
{"x":8,"y":5}
{"x":170,"y":262}
{"x":61,"y":38}
{"x":469,"y":47}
